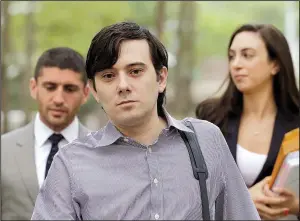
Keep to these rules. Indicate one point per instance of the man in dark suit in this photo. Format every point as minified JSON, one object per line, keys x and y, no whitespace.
{"x":60,"y":87}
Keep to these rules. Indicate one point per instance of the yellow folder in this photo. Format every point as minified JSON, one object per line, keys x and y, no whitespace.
{"x":289,"y":144}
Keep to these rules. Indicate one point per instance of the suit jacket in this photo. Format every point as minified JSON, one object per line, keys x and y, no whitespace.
{"x":283,"y":124}
{"x":19,"y":184}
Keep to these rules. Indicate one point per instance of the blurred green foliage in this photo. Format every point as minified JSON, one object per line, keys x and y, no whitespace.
{"x":74,"y":24}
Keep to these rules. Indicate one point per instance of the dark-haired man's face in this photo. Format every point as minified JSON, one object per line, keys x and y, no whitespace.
{"x":128,"y":91}
{"x":59,"y":94}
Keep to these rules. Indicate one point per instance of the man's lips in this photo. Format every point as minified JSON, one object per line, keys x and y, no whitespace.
{"x":125,"y":102}
{"x":58,"y":110}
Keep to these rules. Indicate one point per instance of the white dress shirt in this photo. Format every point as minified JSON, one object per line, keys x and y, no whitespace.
{"x":42,"y":145}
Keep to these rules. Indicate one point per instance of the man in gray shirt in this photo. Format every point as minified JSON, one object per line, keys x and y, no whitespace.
{"x":137,"y":166}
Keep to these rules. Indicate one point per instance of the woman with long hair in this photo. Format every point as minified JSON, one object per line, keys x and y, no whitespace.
{"x":259,"y":105}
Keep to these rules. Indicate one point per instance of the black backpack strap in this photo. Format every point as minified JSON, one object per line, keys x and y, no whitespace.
{"x":198,"y":165}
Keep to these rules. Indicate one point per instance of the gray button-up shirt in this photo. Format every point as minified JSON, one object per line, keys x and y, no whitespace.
{"x":108,"y":176}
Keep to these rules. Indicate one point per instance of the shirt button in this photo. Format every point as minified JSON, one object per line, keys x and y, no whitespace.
{"x":156,"y":216}
{"x":150,"y":150}
{"x":126,"y":140}
{"x":155,"y":181}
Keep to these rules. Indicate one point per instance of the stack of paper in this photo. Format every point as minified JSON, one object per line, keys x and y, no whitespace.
{"x":286,"y":169}
{"x":288,"y":175}
{"x":289,"y":145}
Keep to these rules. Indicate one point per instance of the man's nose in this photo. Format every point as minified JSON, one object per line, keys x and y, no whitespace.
{"x":59,"y":96}
{"x":123,"y":83}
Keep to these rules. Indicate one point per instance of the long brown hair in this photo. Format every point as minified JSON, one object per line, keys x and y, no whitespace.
{"x":286,"y":93}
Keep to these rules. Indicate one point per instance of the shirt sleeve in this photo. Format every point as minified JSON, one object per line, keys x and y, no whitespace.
{"x":54,"y":201}
{"x":236,"y":202}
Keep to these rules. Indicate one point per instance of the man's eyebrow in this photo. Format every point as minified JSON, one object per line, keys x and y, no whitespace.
{"x":127,"y":66}
{"x":135,"y":64}
{"x":71,"y":85}
{"x":48,"y":82}
{"x":65,"y":85}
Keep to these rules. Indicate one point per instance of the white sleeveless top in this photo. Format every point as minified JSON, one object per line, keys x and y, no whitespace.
{"x":250,"y":164}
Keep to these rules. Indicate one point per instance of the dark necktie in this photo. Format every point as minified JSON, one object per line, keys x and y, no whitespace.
{"x":54,"y":139}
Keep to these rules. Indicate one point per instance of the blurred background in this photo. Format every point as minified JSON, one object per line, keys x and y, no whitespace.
{"x":195,"y":34}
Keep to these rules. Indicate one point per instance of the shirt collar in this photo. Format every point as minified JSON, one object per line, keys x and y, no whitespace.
{"x":43,"y":132}
{"x":111,"y":134}
{"x":178,"y":124}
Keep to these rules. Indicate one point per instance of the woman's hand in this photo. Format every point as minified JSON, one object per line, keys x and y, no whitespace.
{"x":262,"y":202}
{"x":291,"y":201}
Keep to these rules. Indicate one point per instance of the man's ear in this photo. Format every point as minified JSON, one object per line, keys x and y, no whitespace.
{"x":162,"y":79}
{"x":92,"y":89}
{"x":86,"y":93}
{"x":33,"y":88}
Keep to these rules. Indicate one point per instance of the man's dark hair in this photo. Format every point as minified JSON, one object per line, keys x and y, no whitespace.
{"x":62,"y":58}
{"x":104,"y":51}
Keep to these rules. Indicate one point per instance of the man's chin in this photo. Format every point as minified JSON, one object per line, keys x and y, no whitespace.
{"x":57,"y":121}
{"x":128,"y":119}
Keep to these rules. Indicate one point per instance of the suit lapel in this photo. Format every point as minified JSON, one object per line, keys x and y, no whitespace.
{"x":277,"y":137}
{"x":25,"y":158}
{"x":232,"y":136}
{"x":26,"y":161}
